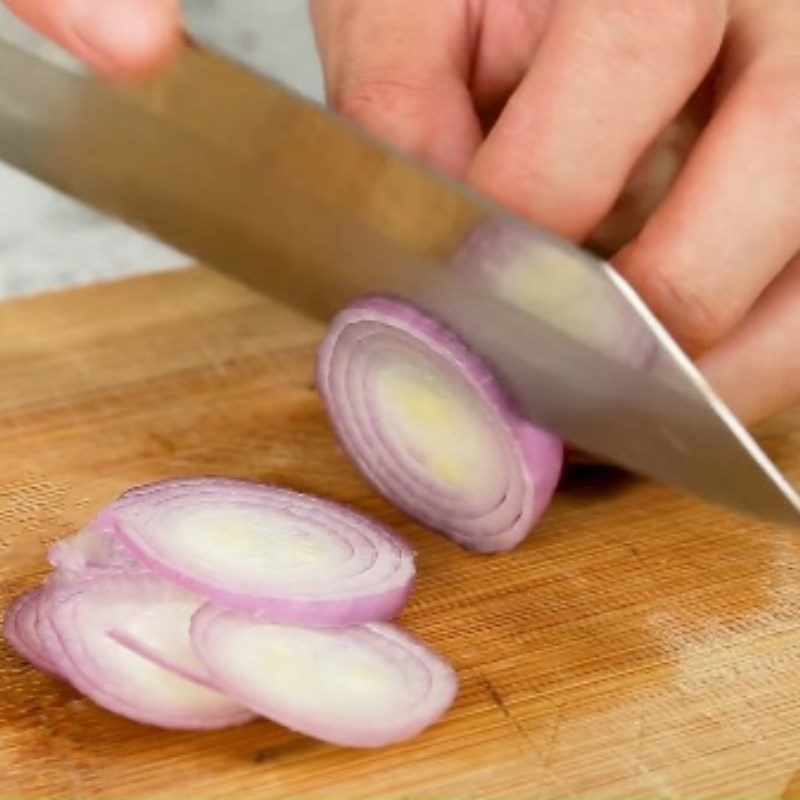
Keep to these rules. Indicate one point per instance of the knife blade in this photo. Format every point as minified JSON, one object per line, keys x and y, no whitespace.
{"x":275,"y":191}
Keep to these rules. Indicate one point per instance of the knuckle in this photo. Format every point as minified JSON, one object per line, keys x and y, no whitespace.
{"x":532,"y":190}
{"x":363,"y":97}
{"x":696,"y":319}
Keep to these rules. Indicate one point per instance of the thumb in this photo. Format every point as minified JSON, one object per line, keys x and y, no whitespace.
{"x":119,"y":38}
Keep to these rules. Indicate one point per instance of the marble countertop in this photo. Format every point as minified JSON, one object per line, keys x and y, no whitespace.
{"x":48,"y":241}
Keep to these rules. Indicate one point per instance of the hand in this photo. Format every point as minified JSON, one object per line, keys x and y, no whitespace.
{"x":550,"y":105}
{"x":120,"y":38}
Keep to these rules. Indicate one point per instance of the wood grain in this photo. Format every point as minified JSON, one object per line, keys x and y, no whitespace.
{"x":639,"y":644}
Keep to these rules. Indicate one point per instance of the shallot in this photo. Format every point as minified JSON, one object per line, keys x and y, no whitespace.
{"x":202,"y":603}
{"x":359,"y":687}
{"x":289,"y":557}
{"x":425,"y":421}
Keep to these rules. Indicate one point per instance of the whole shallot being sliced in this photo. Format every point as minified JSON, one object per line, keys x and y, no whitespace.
{"x":428,"y":425}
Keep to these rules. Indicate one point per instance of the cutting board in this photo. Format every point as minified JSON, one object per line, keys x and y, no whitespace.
{"x":638,"y":644}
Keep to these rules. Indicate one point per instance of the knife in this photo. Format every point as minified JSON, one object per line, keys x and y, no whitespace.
{"x":273,"y":190}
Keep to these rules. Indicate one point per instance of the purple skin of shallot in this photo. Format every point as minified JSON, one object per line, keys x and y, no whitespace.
{"x":426,"y":422}
{"x":270,"y":552}
{"x":367,"y":686}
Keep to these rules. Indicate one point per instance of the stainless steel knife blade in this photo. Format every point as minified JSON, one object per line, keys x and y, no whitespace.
{"x":273,"y":190}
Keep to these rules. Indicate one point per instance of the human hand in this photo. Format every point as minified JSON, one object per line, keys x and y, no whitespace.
{"x":549,"y":105}
{"x":120,"y":38}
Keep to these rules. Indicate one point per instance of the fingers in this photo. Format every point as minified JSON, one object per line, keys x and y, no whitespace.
{"x":400,"y":69}
{"x":504,"y":41}
{"x":608,"y":76}
{"x":647,"y":188}
{"x":121,"y":38}
{"x":732,"y":221}
{"x":756,"y":369}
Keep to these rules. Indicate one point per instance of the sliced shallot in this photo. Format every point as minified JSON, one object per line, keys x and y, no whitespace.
{"x":290,"y":557}
{"x":77,"y":624}
{"x":179,"y":661}
{"x":366,"y":686}
{"x":428,"y":425}
{"x":201,"y":603}
{"x":20,"y":629}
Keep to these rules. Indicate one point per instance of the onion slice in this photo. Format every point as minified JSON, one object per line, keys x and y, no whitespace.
{"x":428,"y":425}
{"x":289,"y":557}
{"x":76,"y":624}
{"x":21,"y":630}
{"x":365,"y":686}
{"x":164,"y":640}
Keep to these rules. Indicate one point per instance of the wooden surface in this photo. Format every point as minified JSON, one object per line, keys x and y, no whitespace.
{"x":638,"y":644}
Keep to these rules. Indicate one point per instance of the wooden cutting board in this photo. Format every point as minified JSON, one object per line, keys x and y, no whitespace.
{"x":638,"y":644}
